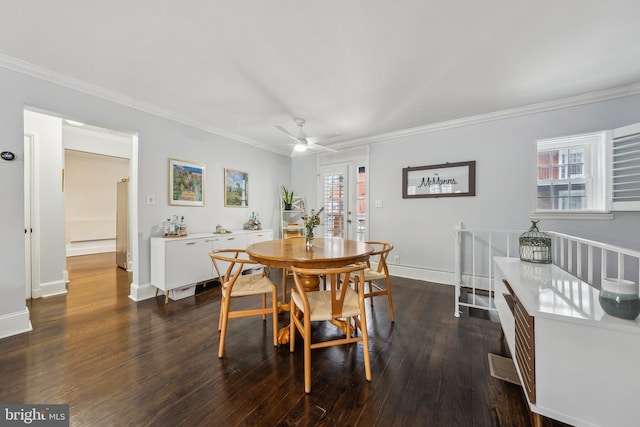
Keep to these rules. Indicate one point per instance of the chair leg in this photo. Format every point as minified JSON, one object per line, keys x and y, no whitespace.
{"x":221,"y":311}
{"x":365,"y":343}
{"x":264,"y":306}
{"x":274,"y":314}
{"x":307,"y":354}
{"x":284,"y":285}
{"x":390,"y":300}
{"x":292,"y":327}
{"x":225,"y":320}
{"x":370,"y":291}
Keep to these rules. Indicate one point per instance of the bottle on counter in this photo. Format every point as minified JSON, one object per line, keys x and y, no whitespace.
{"x":182,"y":230}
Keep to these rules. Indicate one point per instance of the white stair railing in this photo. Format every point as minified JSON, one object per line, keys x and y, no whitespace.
{"x":473,"y":264}
{"x":588,"y":260}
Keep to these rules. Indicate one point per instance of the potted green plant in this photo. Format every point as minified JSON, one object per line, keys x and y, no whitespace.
{"x":287,"y":198}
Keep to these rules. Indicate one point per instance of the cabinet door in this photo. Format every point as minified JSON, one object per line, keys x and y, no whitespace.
{"x":230,"y":241}
{"x":187,"y":262}
{"x":259,"y":236}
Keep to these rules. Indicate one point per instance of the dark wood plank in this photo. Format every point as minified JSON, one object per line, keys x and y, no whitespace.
{"x":117,"y":362}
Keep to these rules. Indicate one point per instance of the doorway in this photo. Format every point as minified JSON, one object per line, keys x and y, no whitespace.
{"x":47,"y":136}
{"x":343,"y":191}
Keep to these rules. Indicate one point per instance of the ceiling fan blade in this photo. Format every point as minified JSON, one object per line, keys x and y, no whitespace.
{"x":321,"y":138}
{"x":321,"y":148}
{"x":289,"y":134}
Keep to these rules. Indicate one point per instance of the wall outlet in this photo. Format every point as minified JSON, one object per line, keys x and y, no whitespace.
{"x":378,"y":203}
{"x":396,"y":259}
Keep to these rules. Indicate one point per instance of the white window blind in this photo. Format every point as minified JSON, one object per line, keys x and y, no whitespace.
{"x":625,"y":169}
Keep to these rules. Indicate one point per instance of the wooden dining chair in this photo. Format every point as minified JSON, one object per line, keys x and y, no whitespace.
{"x":229,"y":264}
{"x":380,"y":273}
{"x":339,"y":302}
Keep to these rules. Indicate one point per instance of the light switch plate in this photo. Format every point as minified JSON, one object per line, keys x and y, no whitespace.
{"x":378,"y":203}
{"x":151,"y":199}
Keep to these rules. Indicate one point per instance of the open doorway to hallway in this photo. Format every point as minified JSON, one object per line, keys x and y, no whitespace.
{"x":67,"y":211}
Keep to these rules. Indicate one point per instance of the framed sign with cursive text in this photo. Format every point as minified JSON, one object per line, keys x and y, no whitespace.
{"x":445,"y":180}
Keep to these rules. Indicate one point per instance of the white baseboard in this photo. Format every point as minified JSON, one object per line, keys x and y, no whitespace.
{"x":142,"y":292}
{"x":91,"y":247}
{"x":418,"y":273}
{"x":49,"y":289}
{"x":15,"y":323}
{"x":479,"y":283}
{"x":441,"y":277}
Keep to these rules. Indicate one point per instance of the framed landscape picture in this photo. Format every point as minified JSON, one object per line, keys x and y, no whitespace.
{"x":186,"y":183}
{"x":236,"y":185}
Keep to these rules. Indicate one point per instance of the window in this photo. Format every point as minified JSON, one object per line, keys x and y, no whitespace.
{"x":571,"y":174}
{"x":334,"y":204}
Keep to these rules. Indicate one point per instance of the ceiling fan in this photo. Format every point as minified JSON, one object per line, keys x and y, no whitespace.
{"x":303,"y":142}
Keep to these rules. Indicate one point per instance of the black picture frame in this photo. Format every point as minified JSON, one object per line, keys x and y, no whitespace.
{"x":443,"y":180}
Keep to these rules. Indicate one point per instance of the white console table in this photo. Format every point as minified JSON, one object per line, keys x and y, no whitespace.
{"x":181,"y":262}
{"x":576,"y":363}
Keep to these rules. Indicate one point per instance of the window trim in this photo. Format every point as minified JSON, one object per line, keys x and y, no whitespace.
{"x":596,"y":175}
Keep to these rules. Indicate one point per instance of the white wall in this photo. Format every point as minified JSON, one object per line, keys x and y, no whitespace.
{"x":158,"y":140}
{"x":505,"y":184}
{"x":90,"y":201}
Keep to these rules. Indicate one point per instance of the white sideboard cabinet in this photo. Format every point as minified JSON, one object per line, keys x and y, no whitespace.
{"x":577,"y":364}
{"x":182,"y":262}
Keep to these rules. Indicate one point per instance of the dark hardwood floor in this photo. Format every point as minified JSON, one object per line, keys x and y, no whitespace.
{"x":121,"y":363}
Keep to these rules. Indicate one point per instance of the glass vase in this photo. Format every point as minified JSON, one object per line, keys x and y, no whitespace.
{"x":308,"y":237}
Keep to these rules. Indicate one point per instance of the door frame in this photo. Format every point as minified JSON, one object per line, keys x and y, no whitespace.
{"x":354,"y":158}
{"x":33,"y":258}
{"x":31,"y":211}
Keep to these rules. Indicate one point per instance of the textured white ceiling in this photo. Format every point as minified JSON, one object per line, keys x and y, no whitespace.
{"x":362,"y":68}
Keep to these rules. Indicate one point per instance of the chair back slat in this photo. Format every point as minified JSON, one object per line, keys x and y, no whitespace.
{"x":337,"y":300}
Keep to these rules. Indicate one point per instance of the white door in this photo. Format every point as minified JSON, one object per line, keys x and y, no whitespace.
{"x":335,"y":192}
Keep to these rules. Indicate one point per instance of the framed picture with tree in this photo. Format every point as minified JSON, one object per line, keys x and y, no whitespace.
{"x":236,"y":188}
{"x":186,"y":183}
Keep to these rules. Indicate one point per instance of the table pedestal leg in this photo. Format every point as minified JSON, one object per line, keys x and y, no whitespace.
{"x":310,"y":283}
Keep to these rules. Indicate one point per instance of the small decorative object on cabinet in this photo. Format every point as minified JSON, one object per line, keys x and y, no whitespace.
{"x":619,"y":298}
{"x":535,"y":246}
{"x":291,"y":219}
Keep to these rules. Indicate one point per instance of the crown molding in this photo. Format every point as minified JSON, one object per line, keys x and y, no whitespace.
{"x":128,"y":101}
{"x":572,"y":101}
{"x":50,"y":76}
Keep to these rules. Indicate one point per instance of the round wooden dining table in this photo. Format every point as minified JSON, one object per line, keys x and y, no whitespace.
{"x":325,"y":253}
